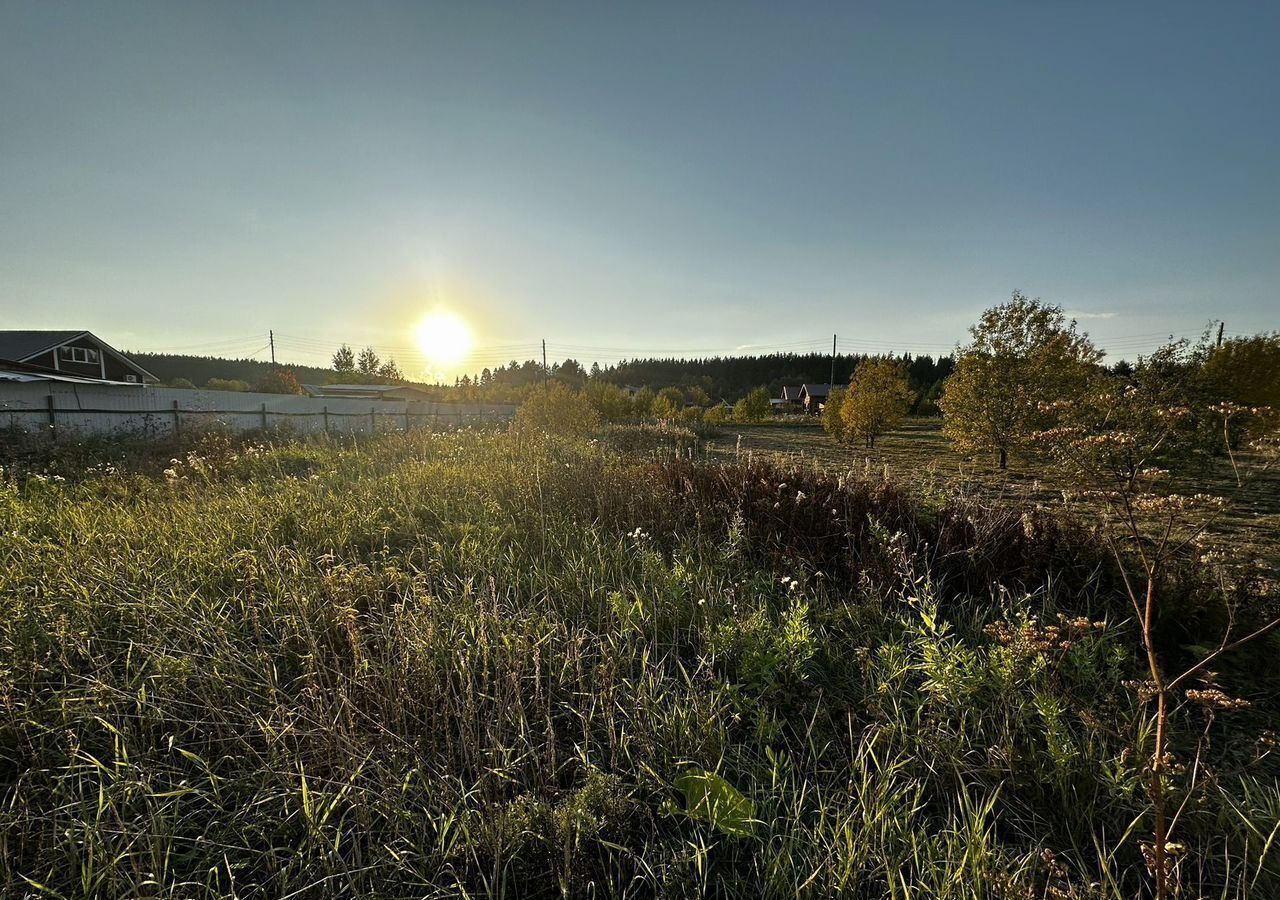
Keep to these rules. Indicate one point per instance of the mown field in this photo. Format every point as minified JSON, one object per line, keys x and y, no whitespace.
{"x":475,"y":664}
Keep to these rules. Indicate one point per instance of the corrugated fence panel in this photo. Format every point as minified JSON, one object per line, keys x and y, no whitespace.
{"x":145,"y":411}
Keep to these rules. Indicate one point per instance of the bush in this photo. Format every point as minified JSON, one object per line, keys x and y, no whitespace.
{"x":557,"y":410}
{"x":226,"y":384}
{"x":281,"y":381}
{"x":755,"y":407}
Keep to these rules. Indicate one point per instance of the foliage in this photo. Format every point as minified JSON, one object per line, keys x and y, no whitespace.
{"x":832,"y":418}
{"x":669,"y":403}
{"x":610,"y":401}
{"x":556,"y":410}
{"x":1246,"y":371}
{"x":755,"y":407}
{"x":642,"y":403}
{"x":344,"y":360}
{"x":1024,"y":354}
{"x":368,"y":362}
{"x":183,"y":383}
{"x":471,"y":664}
{"x":711,"y":799}
{"x":878,"y":397}
{"x":281,"y":381}
{"x":717,"y":414}
{"x":224,"y":384}
{"x":1121,"y":441}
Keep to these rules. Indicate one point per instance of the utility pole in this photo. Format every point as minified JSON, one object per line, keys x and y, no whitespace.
{"x":271,"y":338}
{"x":546,"y":386}
{"x":831,"y":384}
{"x":1221,"y":325}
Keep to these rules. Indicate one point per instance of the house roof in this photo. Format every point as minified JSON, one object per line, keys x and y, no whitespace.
{"x":21,"y":346}
{"x":815,"y":390}
{"x":790,"y":392}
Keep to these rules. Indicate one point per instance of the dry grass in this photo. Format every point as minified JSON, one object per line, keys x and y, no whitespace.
{"x":918,"y":452}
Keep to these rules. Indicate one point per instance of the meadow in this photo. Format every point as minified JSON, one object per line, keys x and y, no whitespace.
{"x":481,"y":663}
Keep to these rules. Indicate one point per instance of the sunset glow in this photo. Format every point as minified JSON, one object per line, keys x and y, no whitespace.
{"x":443,"y":338}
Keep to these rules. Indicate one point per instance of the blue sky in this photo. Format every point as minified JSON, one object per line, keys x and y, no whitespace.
{"x":626,"y":179}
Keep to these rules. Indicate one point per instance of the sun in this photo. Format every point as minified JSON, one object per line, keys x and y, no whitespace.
{"x":443,"y":338}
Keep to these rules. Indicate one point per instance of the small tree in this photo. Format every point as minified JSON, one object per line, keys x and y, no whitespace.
{"x":832,"y":422}
{"x":1118,"y":443}
{"x":642,"y":402}
{"x":610,"y":401}
{"x":879,"y":395}
{"x":1024,"y":355}
{"x":668,"y":403}
{"x":717,"y":415}
{"x":755,"y":407}
{"x":279,"y":381}
{"x":390,"y":371}
{"x":556,"y":410}
{"x":344,"y":360}
{"x":368,"y":362}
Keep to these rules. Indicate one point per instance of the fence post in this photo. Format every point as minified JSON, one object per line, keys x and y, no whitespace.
{"x":177,"y":419}
{"x":373,"y":420}
{"x":406,"y":418}
{"x":326,"y":418}
{"x":264,"y":416}
{"x":53,"y":420}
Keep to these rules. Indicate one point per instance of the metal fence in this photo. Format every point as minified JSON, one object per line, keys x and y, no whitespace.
{"x":59,"y":408}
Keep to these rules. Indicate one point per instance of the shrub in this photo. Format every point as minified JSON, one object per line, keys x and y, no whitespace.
{"x":226,"y":384}
{"x":558,"y":410}
{"x":280,"y":381}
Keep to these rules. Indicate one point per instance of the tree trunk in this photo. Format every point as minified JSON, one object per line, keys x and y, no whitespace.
{"x":1004,"y":458}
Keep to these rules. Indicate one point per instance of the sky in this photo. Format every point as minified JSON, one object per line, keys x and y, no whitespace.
{"x":634,"y":179}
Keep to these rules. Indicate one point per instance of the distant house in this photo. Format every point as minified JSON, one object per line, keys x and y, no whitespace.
{"x":813,"y":396}
{"x":791,"y":398}
{"x":367,"y":391}
{"x":67,"y":355}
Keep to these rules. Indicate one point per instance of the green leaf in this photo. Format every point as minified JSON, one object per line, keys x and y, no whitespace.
{"x":709,"y":798}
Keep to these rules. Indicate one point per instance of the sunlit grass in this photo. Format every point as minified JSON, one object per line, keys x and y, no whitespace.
{"x":476,"y":664}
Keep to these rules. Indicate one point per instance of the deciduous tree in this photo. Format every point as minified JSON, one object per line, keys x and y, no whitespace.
{"x":1024,"y":355}
{"x":878,"y":396}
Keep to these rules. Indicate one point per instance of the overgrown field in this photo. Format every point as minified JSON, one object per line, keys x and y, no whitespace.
{"x":470,"y":664}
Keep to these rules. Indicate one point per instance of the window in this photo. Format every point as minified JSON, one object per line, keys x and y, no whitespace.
{"x":79,"y":355}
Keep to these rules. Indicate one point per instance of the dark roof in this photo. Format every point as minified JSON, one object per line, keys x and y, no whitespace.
{"x":815,"y":390}
{"x":790,"y":393}
{"x":21,"y":345}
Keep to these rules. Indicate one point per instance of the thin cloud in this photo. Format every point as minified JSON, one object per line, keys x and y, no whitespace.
{"x":1090,"y":315}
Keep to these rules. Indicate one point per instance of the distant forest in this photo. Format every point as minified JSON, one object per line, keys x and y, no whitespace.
{"x":198,"y":370}
{"x":721,"y":377}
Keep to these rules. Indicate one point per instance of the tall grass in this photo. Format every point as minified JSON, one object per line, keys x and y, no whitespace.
{"x":471,"y":664}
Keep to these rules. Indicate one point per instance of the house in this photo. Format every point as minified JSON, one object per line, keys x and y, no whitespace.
{"x":790,"y":399}
{"x":367,"y":391}
{"x":68,"y":355}
{"x":813,"y":396}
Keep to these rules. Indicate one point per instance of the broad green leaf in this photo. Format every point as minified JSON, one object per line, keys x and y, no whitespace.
{"x":709,"y":798}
